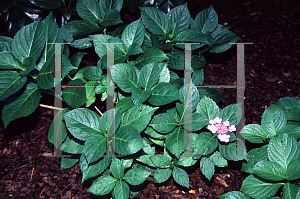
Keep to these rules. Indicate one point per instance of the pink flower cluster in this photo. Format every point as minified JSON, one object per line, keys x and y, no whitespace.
{"x":217,"y":127}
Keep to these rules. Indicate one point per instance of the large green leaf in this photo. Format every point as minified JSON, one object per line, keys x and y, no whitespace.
{"x":136,"y":176}
{"x":180,"y":176}
{"x":78,"y":28}
{"x":234,"y":195}
{"x":290,"y":107}
{"x":83,"y":123}
{"x":126,"y":77}
{"x":151,"y":55}
{"x":94,"y":147}
{"x":103,"y":185}
{"x":164,"y":73}
{"x":229,"y":151}
{"x":140,"y":95}
{"x":89,"y":171}
{"x":223,"y":37}
{"x":99,"y":43}
{"x":148,"y":75}
{"x":74,"y":97}
{"x":161,"y":175}
{"x":58,"y":128}
{"x":29,"y":41}
{"x":8,"y":61}
{"x":176,"y":59}
{"x":257,"y":188}
{"x":67,"y":163}
{"x":198,"y":77}
{"x":11,"y":82}
{"x":138,"y":117}
{"x":290,"y":191}
{"x":181,"y":16}
{"x":74,"y":147}
{"x":193,"y":121}
{"x":273,"y":119}
{"x":192,"y":36}
{"x":256,"y":133}
{"x":164,"y":123}
{"x":161,"y":161}
{"x":46,"y":65}
{"x":206,"y":20}
{"x":107,"y":5}
{"x":127,"y":141}
{"x":292,"y":130}
{"x":218,"y":160}
{"x":5,"y":43}
{"x":89,"y":10}
{"x":207,"y":167}
{"x":175,"y":141}
{"x":112,"y":17}
{"x":211,"y":93}
{"x":155,"y":20}
{"x":163,"y":93}
{"x":270,"y":170}
{"x":121,"y":190}
{"x":283,"y":149}
{"x":134,"y":33}
{"x":293,"y":170}
{"x":117,"y":169}
{"x":205,"y":144}
{"x":231,"y":113}
{"x":22,"y":106}
{"x":208,"y":108}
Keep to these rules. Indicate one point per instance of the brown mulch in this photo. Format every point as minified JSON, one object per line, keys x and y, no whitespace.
{"x":271,"y":70}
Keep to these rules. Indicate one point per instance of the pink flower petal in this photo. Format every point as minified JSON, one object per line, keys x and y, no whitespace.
{"x":226,"y":123}
{"x":212,"y":128}
{"x":232,"y":128}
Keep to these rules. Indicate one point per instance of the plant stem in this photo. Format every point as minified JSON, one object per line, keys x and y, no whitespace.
{"x":98,"y":110}
{"x":50,"y":107}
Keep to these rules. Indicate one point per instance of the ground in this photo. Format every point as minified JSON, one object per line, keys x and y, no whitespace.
{"x":271,"y":72}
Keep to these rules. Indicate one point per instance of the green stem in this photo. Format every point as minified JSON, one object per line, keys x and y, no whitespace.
{"x":69,"y":77}
{"x":104,"y":31}
{"x":32,"y":76}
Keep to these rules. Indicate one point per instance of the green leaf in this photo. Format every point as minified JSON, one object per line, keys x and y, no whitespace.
{"x":139,"y":96}
{"x":223,"y":37}
{"x":91,"y":73}
{"x":176,"y":59}
{"x":198,"y":62}
{"x":78,"y":28}
{"x":211,"y":93}
{"x":74,"y":97}
{"x":8,"y":61}
{"x":74,"y":147}
{"x":175,"y":141}
{"x":229,"y":151}
{"x":163,"y":93}
{"x":99,"y":42}
{"x":90,"y":93}
{"x":67,"y":163}
{"x":103,"y":185}
{"x":154,"y":134}
{"x":164,"y":73}
{"x":161,"y":161}
{"x":155,"y":20}
{"x":112,"y":17}
{"x":255,"y":133}
{"x":94,"y":147}
{"x":82,"y":123}
{"x":292,"y":130}
{"x":273,"y":119}
{"x":161,"y":175}
{"x":58,"y":128}
{"x":117,"y":169}
{"x":205,"y":144}
{"x":29,"y":41}
{"x":208,"y":108}
{"x":126,"y":77}
{"x":11,"y":82}
{"x":181,"y":16}
{"x":22,"y":106}
{"x":134,"y":33}
{"x":193,"y":122}
{"x":138,"y":117}
{"x":107,"y":5}
{"x":149,"y":75}
{"x":270,"y":170}
{"x":290,"y":107}
{"x":293,"y":170}
{"x":54,"y":4}
{"x":5,"y":43}
{"x":218,"y":160}
{"x":124,"y":104}
{"x":89,"y":171}
{"x":151,"y":55}
{"x":206,"y":20}
{"x":127,"y":141}
{"x":234,"y":195}
{"x":186,"y":159}
{"x":29,"y":65}
{"x":198,"y":77}
{"x":180,"y":176}
{"x":46,"y":65}
{"x":290,"y":191}
{"x":257,"y":188}
{"x":207,"y":167}
{"x":192,"y":36}
{"x":136,"y":176}
{"x":89,"y":10}
{"x":164,"y":123}
{"x":121,"y":190}
{"x":76,"y":58}
{"x":231,"y":113}
{"x":134,"y":49}
{"x":283,"y":149}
